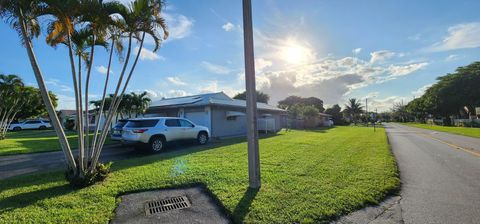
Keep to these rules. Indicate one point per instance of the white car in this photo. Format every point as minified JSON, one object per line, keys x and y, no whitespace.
{"x":153,"y":133}
{"x":30,"y":124}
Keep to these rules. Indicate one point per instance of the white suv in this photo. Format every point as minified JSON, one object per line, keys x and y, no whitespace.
{"x":30,"y":124}
{"x":154,"y":132}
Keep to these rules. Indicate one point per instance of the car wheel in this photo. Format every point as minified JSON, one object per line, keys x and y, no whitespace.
{"x":17,"y":128}
{"x":157,"y":144}
{"x":202,"y":138}
{"x":42,"y":127}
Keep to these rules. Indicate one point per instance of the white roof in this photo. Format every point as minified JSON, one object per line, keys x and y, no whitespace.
{"x":220,"y":99}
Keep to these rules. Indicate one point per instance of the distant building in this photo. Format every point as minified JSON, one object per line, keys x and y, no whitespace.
{"x":223,"y":115}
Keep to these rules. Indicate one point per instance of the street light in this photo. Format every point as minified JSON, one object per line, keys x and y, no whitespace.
{"x":252,"y":134}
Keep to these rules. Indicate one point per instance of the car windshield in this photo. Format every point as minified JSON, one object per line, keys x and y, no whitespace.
{"x":141,"y":123}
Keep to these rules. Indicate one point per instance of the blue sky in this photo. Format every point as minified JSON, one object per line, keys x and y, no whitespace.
{"x":385,"y":50}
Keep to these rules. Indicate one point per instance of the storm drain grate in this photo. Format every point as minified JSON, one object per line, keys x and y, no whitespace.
{"x":158,"y":206}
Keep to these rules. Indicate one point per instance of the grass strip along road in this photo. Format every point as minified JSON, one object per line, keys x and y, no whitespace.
{"x":32,"y":141}
{"x":307,"y":176}
{"x":466,"y":131}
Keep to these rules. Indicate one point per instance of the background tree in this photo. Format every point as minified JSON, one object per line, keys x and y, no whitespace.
{"x":261,"y":97}
{"x":310,"y":112}
{"x":336,"y":112}
{"x":353,"y":109}
{"x":450,"y":95}
{"x":19,"y":102}
{"x":11,"y":100}
{"x":35,"y":107}
{"x":309,"y":101}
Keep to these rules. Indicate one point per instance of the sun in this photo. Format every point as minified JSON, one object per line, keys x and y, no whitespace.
{"x":294,"y":53}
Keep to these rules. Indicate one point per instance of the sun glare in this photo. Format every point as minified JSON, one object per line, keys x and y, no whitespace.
{"x":294,"y":53}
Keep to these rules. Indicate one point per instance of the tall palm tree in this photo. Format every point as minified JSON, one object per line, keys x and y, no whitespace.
{"x":142,"y":16}
{"x":67,"y":18}
{"x":353,"y":109}
{"x":22,"y":16}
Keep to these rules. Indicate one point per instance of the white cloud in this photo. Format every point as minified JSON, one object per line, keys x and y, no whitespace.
{"x":217,"y":69}
{"x":453,"y":57}
{"x":387,"y":103}
{"x":146,"y":54}
{"x":379,"y":56}
{"x":65,"y":102}
{"x":460,"y":36}
{"x":210,"y":87}
{"x":179,"y":26}
{"x":176,"y":81}
{"x":261,"y":63}
{"x":401,"y":70}
{"x":151,"y":93}
{"x":357,"y":50}
{"x":177,"y":93}
{"x":58,"y":85}
{"x":420,"y":91}
{"x":330,"y":79}
{"x":228,"y":26}
{"x":102,"y":69}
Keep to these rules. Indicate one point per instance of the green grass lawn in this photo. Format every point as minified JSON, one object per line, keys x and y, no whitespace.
{"x":30,"y":141}
{"x":472,"y":132}
{"x":307,"y":176}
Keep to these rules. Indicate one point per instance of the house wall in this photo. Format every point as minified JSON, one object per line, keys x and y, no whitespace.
{"x":221,"y":127}
{"x":216,"y":119}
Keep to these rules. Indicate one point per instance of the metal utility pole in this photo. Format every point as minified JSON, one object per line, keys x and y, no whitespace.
{"x":252,"y":133}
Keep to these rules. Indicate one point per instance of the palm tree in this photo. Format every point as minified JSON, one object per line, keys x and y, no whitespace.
{"x":11,"y":100}
{"x":69,"y":22}
{"x":143,"y":16}
{"x":353,"y":109}
{"x":22,"y":16}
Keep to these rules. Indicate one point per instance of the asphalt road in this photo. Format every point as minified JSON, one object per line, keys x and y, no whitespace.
{"x":440,"y":175}
{"x":40,"y":162}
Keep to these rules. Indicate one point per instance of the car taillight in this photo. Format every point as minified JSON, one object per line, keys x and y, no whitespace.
{"x":140,"y":130}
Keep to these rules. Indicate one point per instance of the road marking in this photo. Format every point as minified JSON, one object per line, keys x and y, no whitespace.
{"x":473,"y":152}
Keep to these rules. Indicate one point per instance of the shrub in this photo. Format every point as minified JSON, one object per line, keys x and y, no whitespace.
{"x":99,"y":174}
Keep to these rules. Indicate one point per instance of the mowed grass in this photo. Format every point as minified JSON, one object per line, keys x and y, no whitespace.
{"x":30,"y":141}
{"x":307,"y":177}
{"x":472,"y":132}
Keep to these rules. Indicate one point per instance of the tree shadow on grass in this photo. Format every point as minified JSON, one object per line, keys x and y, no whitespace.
{"x":25,"y":199}
{"x":243,"y":206}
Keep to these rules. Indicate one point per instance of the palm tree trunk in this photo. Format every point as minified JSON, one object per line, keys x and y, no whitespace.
{"x":78,"y":103}
{"x":82,"y":119}
{"x":46,"y":99}
{"x":87,"y":83}
{"x":95,"y":134}
{"x":102,"y":141}
{"x":111,"y":111}
{"x":126,"y":84}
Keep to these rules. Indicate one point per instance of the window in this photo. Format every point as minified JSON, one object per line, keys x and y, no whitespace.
{"x":231,"y":118}
{"x":32,"y":122}
{"x":172,"y":123}
{"x":141,"y":123}
{"x":120,"y":124}
{"x":186,"y":124}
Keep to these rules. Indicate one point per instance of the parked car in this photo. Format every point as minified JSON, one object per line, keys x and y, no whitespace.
{"x":153,"y":133}
{"x":117,"y":130}
{"x":30,"y":124}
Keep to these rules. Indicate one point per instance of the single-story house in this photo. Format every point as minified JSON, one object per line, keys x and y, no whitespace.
{"x":222,"y":115}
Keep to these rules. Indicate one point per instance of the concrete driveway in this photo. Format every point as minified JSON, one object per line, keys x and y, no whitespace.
{"x":440,"y":175}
